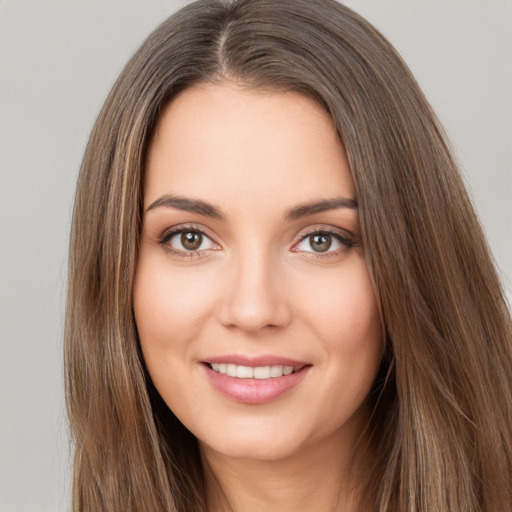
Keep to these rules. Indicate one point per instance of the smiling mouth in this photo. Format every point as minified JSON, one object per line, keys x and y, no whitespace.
{"x":253,"y":372}
{"x":254,"y":382}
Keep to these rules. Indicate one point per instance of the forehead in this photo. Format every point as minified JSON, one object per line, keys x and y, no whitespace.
{"x":225,"y":144}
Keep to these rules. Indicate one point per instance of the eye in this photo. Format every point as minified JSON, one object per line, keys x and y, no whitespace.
{"x":187,"y":240}
{"x":323,"y":241}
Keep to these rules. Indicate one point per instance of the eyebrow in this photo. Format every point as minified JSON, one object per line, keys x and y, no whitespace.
{"x":320,"y":206}
{"x":208,"y":210}
{"x":187,"y":205}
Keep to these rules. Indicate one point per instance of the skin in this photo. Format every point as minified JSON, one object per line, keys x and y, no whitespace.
{"x":258,"y":286}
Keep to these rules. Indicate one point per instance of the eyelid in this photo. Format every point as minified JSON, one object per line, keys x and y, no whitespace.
{"x":344,"y":237}
{"x":172,"y":231}
{"x":324,"y":228}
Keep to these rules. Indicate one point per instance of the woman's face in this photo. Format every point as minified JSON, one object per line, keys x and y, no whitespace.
{"x":251,"y":267}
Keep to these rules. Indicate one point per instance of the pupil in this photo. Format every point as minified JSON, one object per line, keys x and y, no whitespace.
{"x":191,"y":241}
{"x":320,"y":243}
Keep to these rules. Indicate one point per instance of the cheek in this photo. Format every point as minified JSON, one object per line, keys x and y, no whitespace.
{"x":172,"y":307}
{"x":343,"y":310}
{"x":169,"y":304}
{"x":346,"y":321}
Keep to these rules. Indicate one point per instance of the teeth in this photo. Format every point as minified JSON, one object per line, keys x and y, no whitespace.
{"x":287,"y":370}
{"x":276,"y":371}
{"x":245,"y":372}
{"x":262,"y":372}
{"x":249,"y":372}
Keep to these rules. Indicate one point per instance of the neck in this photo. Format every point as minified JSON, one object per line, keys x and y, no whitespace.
{"x":320,"y":477}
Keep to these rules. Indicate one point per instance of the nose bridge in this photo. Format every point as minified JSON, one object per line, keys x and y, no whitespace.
{"x":256,"y":297}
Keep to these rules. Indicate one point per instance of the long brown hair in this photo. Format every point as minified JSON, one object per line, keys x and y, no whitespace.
{"x":441,"y":427}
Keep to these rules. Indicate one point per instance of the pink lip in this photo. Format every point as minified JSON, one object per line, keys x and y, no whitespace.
{"x":255,"y":391}
{"x":263,"y":360}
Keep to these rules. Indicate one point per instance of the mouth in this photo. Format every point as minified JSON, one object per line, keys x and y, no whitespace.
{"x":256,"y":381}
{"x":254,"y":372}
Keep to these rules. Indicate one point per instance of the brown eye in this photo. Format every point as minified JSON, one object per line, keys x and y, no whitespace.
{"x":191,"y":240}
{"x":188,"y":241}
{"x":323,"y":242}
{"x":320,"y":242}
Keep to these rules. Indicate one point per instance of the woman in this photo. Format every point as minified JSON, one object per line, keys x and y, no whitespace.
{"x":279,"y":293}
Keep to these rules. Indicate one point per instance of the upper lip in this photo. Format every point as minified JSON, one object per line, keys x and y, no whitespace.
{"x":254,"y":361}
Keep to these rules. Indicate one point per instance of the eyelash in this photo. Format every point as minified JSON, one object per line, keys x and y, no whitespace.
{"x":347,"y":241}
{"x":168,"y":235}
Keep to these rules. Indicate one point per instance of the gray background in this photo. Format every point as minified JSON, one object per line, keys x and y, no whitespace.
{"x":58,"y":60}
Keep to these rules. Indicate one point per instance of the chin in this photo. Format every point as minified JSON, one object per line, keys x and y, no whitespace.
{"x":257,"y":449}
{"x":263,"y":439}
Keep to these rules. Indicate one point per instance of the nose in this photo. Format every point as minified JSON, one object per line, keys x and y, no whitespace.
{"x":255,"y":298}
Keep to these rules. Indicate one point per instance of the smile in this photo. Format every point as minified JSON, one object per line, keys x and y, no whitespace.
{"x":254,"y":380}
{"x":250,"y":372}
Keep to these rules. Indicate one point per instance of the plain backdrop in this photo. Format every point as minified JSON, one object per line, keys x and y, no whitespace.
{"x":58,"y":60}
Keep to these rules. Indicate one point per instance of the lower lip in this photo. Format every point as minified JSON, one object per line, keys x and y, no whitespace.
{"x":254,"y":391}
